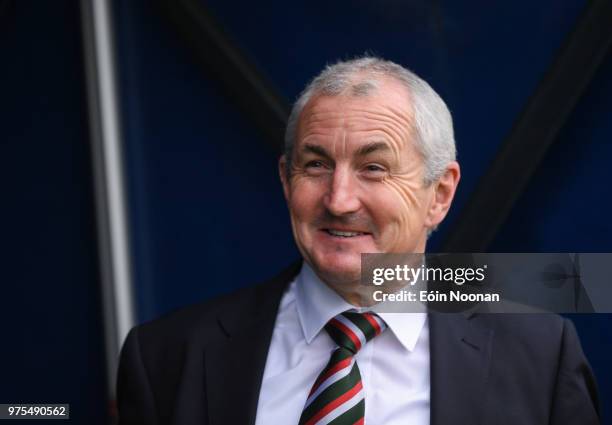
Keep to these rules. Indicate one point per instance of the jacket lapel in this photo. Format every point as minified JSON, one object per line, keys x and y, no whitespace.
{"x":460,"y":355}
{"x":235,"y":361}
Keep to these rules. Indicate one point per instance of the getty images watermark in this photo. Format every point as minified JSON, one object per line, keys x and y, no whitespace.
{"x":409,"y":276}
{"x":492,"y":283}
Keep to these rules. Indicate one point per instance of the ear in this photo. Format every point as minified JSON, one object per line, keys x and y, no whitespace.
{"x":444,"y":192}
{"x":282,"y":172}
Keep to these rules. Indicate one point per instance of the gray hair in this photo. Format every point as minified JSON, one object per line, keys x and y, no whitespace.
{"x":432,"y":122}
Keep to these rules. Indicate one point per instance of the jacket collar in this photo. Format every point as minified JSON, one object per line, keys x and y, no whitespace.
{"x":235,"y":361}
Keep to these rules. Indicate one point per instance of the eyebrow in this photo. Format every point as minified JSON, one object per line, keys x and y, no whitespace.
{"x":362,"y":151}
{"x":316,"y":149}
{"x":372,"y":147}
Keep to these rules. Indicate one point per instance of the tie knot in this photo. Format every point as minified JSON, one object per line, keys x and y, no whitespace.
{"x":353,"y":330}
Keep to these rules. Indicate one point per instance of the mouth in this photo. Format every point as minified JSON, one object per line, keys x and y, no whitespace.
{"x":344,"y":233}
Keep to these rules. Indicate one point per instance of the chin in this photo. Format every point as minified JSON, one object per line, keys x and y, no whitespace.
{"x":339,"y":268}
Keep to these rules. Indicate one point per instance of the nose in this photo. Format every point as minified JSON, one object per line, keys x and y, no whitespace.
{"x":342,"y":196}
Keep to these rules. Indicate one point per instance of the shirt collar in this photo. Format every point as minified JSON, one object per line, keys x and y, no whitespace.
{"x":317,"y":303}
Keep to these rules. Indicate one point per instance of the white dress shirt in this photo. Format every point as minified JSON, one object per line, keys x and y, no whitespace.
{"x":394,"y":366}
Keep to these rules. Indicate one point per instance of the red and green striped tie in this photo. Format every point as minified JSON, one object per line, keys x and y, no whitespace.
{"x":337,"y":395}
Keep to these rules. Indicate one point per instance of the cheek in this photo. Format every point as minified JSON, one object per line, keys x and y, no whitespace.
{"x":405,"y":192}
{"x":305,"y":198}
{"x":408,"y":198}
{"x":399,"y":209}
{"x":407,"y":187}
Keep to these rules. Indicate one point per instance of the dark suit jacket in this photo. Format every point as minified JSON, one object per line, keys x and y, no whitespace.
{"x":204,"y":365}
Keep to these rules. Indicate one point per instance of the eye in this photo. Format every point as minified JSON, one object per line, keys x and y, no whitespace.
{"x":316,"y":167}
{"x":374,"y":171}
{"x":314,"y":164}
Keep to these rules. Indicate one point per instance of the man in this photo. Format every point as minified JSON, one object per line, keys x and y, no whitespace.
{"x":369,"y":168}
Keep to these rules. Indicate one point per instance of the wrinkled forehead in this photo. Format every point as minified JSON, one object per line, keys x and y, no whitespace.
{"x":381,"y":92}
{"x":384,"y":113}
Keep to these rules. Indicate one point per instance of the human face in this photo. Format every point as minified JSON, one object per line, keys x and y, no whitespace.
{"x":356,"y":182}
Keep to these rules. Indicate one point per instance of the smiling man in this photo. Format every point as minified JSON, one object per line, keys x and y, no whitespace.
{"x":359,"y":174}
{"x":369,"y":167}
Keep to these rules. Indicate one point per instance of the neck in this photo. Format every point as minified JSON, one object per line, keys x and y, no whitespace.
{"x":354,"y":294}
{"x":358,"y":294}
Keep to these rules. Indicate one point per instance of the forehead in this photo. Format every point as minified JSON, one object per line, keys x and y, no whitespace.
{"x":386,"y":109}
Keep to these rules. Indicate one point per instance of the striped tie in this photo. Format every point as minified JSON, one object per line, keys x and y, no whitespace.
{"x":337,"y":395}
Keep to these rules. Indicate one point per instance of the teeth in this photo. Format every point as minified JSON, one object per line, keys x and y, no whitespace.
{"x":343,"y":234}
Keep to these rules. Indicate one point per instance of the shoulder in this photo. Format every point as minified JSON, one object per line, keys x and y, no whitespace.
{"x":159,"y":356}
{"x":544,"y":345}
{"x":200,"y":321}
{"x":542,"y":333}
{"x":543,"y":352}
{"x":540,"y":326}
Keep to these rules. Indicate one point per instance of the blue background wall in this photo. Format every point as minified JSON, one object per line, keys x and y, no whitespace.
{"x":52,"y":348}
{"x":203,"y":186}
